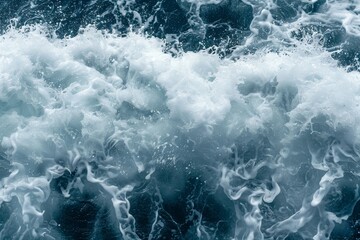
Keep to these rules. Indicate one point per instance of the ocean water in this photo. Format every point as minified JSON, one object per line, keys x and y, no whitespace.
{"x":179,"y":119}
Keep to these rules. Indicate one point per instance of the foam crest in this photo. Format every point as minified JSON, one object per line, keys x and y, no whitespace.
{"x":270,"y":136}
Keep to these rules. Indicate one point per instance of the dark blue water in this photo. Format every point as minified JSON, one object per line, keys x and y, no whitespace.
{"x":187,"y":119}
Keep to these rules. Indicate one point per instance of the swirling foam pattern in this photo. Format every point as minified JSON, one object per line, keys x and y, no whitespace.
{"x":196,"y":119}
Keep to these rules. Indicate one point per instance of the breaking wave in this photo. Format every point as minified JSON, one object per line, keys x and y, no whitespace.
{"x":196,"y":119}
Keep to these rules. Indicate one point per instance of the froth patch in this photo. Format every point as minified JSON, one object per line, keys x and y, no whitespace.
{"x":107,"y":111}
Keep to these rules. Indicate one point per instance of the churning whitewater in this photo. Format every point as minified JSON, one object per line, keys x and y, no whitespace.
{"x":179,"y":119}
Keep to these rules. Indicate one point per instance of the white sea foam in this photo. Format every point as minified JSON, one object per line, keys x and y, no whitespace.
{"x":64,"y":101}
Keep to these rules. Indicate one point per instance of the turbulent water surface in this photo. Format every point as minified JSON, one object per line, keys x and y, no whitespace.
{"x":179,"y":119}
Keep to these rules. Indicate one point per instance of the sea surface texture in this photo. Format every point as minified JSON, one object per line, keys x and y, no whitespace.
{"x":179,"y":119}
